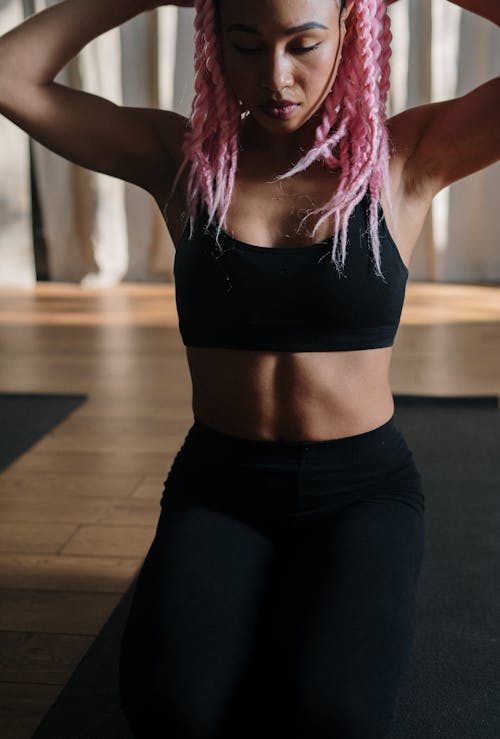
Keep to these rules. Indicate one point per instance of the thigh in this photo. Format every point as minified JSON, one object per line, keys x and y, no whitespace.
{"x":191,"y":625}
{"x":342,"y":620}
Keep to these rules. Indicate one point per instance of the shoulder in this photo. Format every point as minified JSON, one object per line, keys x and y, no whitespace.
{"x":170,"y":128}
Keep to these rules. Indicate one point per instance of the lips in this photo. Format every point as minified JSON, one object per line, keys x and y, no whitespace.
{"x":279,"y":103}
{"x":280,"y":112}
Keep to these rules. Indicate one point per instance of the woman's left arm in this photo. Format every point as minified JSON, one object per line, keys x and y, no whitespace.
{"x":453,"y":138}
{"x":489,"y":9}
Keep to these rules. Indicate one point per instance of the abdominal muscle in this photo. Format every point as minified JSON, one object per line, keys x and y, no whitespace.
{"x":304,"y":396}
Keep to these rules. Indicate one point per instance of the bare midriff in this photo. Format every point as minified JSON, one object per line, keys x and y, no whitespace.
{"x":304,"y":396}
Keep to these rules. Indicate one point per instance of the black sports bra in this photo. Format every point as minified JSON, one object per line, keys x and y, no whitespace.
{"x":243,"y":296}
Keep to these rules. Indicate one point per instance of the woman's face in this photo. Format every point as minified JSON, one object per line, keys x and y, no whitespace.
{"x":268,"y":61}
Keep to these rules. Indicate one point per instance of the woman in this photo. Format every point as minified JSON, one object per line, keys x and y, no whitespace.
{"x":278,"y":595}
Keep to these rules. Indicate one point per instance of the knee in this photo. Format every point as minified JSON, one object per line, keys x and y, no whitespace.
{"x":157,"y":704}
{"x":345,"y":726}
{"x":361,"y":724}
{"x":346,"y":719}
{"x":157,"y":716}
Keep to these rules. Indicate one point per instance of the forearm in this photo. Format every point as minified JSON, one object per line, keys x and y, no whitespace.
{"x":489,"y":9}
{"x":38,"y":48}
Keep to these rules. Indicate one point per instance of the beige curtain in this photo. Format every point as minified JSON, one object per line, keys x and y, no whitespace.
{"x":17,"y":266}
{"x":101,"y":231}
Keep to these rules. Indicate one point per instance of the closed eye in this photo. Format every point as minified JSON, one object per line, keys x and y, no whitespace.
{"x":298,"y":49}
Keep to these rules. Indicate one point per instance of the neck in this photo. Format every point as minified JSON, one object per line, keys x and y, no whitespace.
{"x":284,"y":149}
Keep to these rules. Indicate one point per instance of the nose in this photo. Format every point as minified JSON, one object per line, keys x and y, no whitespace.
{"x":276,"y":72}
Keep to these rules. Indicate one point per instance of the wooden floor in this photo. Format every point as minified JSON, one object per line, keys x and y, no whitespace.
{"x":78,"y":511}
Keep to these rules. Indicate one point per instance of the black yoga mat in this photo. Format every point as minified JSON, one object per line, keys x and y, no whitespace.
{"x":452,"y":687}
{"x":26,"y":417}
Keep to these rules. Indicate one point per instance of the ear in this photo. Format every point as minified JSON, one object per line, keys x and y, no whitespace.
{"x":343,"y":18}
{"x":347,"y":10}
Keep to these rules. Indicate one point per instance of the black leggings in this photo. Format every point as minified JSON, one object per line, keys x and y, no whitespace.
{"x":278,"y":596}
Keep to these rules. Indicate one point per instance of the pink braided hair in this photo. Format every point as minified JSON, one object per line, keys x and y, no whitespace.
{"x":356,"y":106}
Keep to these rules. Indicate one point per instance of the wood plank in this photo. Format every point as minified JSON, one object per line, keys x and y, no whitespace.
{"x":55,"y":611}
{"x":60,"y":442}
{"x":23,"y":707}
{"x":47,"y":538}
{"x":114,"y":463}
{"x":111,"y":541}
{"x":55,"y":485}
{"x":40,"y":658}
{"x":70,"y":573}
{"x":148,"y":488}
{"x":77,"y":511}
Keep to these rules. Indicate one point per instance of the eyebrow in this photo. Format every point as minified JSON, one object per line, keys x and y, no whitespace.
{"x":288,"y":31}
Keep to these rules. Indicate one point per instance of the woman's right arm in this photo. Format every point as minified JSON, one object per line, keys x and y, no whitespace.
{"x":133,"y":144}
{"x":37,"y":49}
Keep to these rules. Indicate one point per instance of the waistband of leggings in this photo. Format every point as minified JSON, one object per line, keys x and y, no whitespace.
{"x":366,"y":442}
